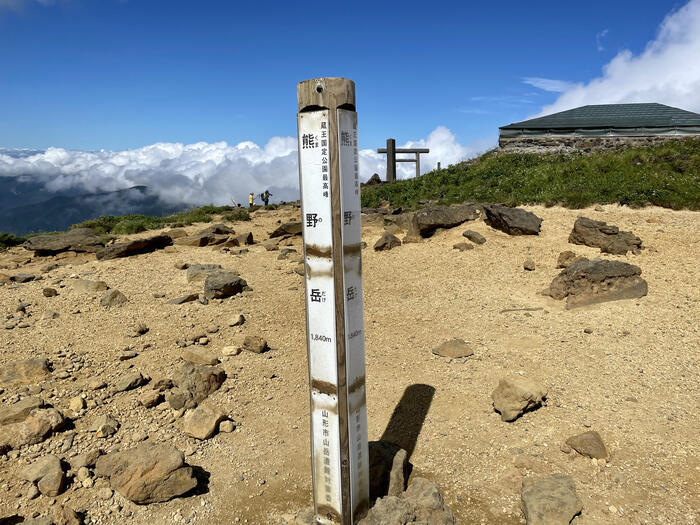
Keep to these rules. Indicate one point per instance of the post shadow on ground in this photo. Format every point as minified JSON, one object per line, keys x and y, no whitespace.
{"x":385,"y":457}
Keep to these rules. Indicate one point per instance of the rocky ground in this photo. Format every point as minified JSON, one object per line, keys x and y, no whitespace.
{"x":116,"y":377}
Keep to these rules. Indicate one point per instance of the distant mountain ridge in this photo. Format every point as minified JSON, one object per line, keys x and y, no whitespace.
{"x":44,"y":211}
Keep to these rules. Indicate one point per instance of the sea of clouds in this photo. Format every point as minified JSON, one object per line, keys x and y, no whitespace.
{"x":204,"y":173}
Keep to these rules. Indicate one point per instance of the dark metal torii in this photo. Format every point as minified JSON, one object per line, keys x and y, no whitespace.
{"x":391,"y":159}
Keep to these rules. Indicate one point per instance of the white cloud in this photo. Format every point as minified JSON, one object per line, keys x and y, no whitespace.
{"x":549,"y":84}
{"x":204,"y":173}
{"x":599,"y":40}
{"x":667,"y":71}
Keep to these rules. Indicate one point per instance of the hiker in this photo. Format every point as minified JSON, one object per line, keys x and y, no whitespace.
{"x":266,"y":197}
{"x":251,"y":199}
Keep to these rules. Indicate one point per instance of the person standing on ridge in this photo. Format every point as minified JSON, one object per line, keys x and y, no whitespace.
{"x":266,"y":197}
{"x":251,"y":199}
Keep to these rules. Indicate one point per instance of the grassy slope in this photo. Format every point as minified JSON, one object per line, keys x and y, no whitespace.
{"x":665,"y":175}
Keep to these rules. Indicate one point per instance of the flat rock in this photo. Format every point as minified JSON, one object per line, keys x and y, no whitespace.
{"x":587,"y":282}
{"x":190,"y":297}
{"x":87,"y":286}
{"x":77,"y":240}
{"x":287,"y":228}
{"x":202,"y":422}
{"x":47,"y":473}
{"x":513,"y":221}
{"x":150,"y":398}
{"x":18,"y":412}
{"x":588,"y":444}
{"x":200,"y":356}
{"x":515,"y":395}
{"x":551,"y":500}
{"x":85,"y":460}
{"x":25,"y":371}
{"x":129,"y":381}
{"x":22,"y":277}
{"x":424,"y":222}
{"x":608,"y":238}
{"x":148,"y":473}
{"x":199,"y":272}
{"x":136,"y":247}
{"x":387,"y":242}
{"x":454,"y":348}
{"x":113,"y":298}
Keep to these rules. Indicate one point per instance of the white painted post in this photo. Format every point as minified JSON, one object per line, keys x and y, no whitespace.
{"x":330,"y":202}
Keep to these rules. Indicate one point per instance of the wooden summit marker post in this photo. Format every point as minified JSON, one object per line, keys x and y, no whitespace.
{"x":330,"y":202}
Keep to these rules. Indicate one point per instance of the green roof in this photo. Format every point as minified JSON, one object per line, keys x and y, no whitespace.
{"x":613,"y":116}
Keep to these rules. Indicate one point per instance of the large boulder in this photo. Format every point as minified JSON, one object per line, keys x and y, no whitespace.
{"x":139,"y":246}
{"x":587,"y":282}
{"x":424,"y":222}
{"x":36,"y":427}
{"x":608,"y":238}
{"x":513,"y":221}
{"x":148,"y":473}
{"x":287,"y":228}
{"x":25,"y":371}
{"x":78,"y":240}
{"x":221,"y":284}
{"x":515,"y":395}
{"x":551,"y":500}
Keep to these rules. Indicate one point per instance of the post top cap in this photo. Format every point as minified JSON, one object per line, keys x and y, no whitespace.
{"x":326,"y":92}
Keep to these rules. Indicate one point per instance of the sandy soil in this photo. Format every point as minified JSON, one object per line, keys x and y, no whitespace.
{"x":634,"y":379}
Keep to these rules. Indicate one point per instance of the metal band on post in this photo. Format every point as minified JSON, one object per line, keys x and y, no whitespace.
{"x":330,"y":195}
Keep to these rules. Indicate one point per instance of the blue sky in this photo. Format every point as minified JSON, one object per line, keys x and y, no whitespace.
{"x":197,"y":100}
{"x":92,"y":74}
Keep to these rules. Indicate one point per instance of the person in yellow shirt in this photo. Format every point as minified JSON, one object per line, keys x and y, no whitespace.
{"x":251,"y":199}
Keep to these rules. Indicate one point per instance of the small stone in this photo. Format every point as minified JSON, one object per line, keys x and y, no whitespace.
{"x":96,"y":384}
{"x":227,"y":426}
{"x":566,"y":449}
{"x":529,"y":265}
{"x":113,"y":298}
{"x":32,"y":492}
{"x":587,"y":330}
{"x":129,"y":381}
{"x":47,"y":473}
{"x":475,"y":237}
{"x":77,"y":404}
{"x":565,"y":259}
{"x":462,"y":246}
{"x":588,"y":444}
{"x":231,"y":350}
{"x":515,"y":395}
{"x":237,"y":320}
{"x":83,"y":473}
{"x":50,"y":314}
{"x":128,"y":354}
{"x":150,"y":398}
{"x":105,"y":493}
{"x":202,"y":422}
{"x":255,"y":344}
{"x":387,"y":242}
{"x":49,"y":292}
{"x":104,"y":426}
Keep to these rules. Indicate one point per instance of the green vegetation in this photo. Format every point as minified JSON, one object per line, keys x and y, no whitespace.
{"x":665,"y":175}
{"x":127,"y":224}
{"x":7,"y":240}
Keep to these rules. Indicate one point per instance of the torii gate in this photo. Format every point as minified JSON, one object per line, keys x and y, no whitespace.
{"x":391,"y":159}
